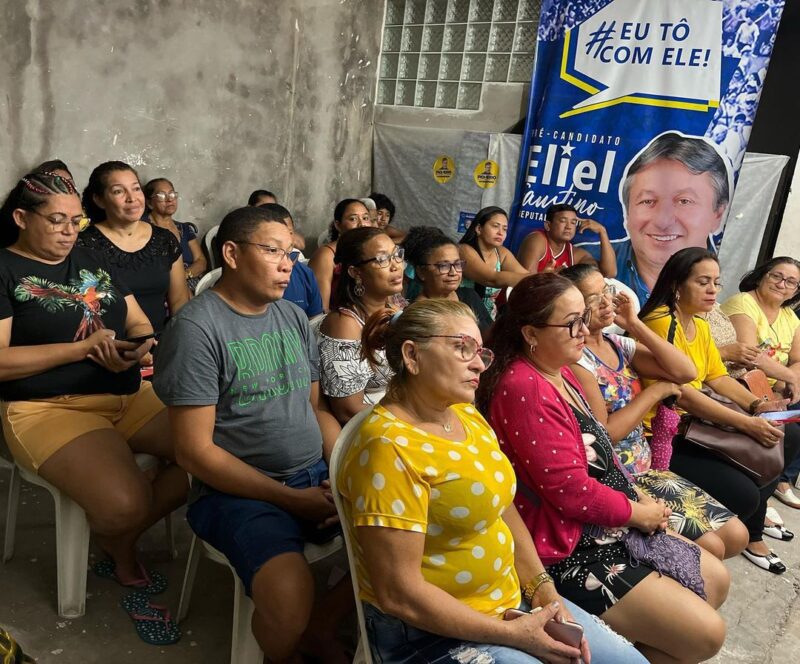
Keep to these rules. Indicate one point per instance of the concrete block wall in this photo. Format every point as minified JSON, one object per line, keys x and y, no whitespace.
{"x":220,"y":97}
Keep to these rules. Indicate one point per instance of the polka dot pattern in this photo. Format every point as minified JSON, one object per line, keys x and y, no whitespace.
{"x":452,"y":491}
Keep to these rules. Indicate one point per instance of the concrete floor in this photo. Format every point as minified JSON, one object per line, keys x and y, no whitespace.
{"x":763,"y":611}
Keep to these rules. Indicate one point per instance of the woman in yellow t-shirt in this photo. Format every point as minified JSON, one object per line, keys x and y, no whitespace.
{"x":763,"y":315}
{"x":441,"y":552}
{"x":688,"y":286}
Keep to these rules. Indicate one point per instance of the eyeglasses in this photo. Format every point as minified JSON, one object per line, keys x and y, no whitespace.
{"x":575,"y":325}
{"x":608,"y":293}
{"x":469,"y":347}
{"x":165,"y":196}
{"x":271,"y":254}
{"x":777,"y":278}
{"x":383,"y":260}
{"x":445,"y":267}
{"x":59,"y":222}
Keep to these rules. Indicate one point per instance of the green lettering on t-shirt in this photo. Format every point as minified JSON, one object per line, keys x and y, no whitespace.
{"x":267,"y":368}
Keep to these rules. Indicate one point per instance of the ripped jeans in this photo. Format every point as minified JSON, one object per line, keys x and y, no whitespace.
{"x":393,"y":642}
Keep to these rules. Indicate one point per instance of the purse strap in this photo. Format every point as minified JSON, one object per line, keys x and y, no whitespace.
{"x":670,"y":402}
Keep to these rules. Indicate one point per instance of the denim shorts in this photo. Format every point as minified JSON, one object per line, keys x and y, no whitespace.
{"x":394,"y":642}
{"x":251,"y":532}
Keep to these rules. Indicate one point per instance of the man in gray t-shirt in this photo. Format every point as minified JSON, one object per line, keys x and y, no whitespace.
{"x":257,"y":370}
{"x":238,"y":369}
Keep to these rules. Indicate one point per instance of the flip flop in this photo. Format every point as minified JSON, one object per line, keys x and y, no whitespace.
{"x":154,"y":624}
{"x":152,"y":582}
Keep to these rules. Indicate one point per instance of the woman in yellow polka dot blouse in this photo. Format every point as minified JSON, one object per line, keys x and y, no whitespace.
{"x":441,"y":552}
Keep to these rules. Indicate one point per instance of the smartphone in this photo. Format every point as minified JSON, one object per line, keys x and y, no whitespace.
{"x":140,"y":340}
{"x":569,"y":633}
{"x":513,"y":614}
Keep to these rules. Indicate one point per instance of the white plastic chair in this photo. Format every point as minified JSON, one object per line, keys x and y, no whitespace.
{"x":343,"y":442}
{"x":208,"y":244}
{"x":72,"y":537}
{"x":208,"y":280}
{"x":244,"y":647}
{"x":622,"y":288}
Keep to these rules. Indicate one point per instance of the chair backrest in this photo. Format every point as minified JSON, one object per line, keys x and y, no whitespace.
{"x":634,"y":298}
{"x":209,"y":246}
{"x":757,"y":382}
{"x":315,"y":323}
{"x":343,"y":442}
{"x":208,"y":280}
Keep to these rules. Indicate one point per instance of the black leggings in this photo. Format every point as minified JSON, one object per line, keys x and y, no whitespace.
{"x":728,"y":485}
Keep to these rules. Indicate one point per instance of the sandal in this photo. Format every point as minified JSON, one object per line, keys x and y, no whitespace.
{"x":152,"y":583}
{"x":154,"y":624}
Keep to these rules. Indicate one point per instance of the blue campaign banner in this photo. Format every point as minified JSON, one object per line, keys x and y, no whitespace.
{"x":639,"y":116}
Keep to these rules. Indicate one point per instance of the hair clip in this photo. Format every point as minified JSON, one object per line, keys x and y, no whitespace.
{"x":395,"y":316}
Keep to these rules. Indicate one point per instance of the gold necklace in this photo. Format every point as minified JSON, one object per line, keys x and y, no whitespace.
{"x":447,"y":426}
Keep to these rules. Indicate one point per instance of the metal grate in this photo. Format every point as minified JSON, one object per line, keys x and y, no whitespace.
{"x":438,"y":53}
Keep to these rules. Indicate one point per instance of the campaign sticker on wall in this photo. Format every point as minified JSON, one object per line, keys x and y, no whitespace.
{"x":443,"y":169}
{"x":464,"y":220}
{"x":485,"y":174}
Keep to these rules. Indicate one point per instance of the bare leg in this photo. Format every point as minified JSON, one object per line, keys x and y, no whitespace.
{"x":320,"y":639}
{"x":283,"y":594}
{"x":97,"y":470}
{"x":668,"y":622}
{"x":734,"y":536}
{"x":171,"y":483}
{"x":711,"y":542}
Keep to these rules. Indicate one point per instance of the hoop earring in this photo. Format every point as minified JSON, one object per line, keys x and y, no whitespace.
{"x":677,"y":297}
{"x":358,"y":289}
{"x":533,"y":349}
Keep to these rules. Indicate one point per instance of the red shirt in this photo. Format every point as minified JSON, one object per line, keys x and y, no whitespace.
{"x":564,"y":259}
{"x":540,"y":435}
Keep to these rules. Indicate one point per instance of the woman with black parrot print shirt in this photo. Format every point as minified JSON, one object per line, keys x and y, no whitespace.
{"x":74,"y":409}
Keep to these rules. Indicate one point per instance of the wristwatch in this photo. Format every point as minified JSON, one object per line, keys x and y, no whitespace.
{"x":530,"y":588}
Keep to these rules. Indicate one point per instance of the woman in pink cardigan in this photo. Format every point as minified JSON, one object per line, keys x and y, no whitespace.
{"x":600,"y":537}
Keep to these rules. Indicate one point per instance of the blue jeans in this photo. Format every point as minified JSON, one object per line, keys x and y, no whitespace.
{"x":251,"y":532}
{"x":393,"y":642}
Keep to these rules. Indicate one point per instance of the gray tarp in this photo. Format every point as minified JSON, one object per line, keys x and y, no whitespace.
{"x":403,"y":170}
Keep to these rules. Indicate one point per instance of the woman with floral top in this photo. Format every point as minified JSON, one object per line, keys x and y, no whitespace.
{"x":609,"y":371}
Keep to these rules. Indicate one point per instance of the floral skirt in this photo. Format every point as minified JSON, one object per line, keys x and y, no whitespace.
{"x":598,"y":574}
{"x":694,"y":512}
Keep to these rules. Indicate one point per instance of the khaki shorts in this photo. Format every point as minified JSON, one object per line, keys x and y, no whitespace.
{"x":35,"y":430}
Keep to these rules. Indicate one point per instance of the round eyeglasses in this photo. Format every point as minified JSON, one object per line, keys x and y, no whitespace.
{"x":469,"y":347}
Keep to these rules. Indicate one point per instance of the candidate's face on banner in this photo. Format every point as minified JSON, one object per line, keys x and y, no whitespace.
{"x":670,"y":208}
